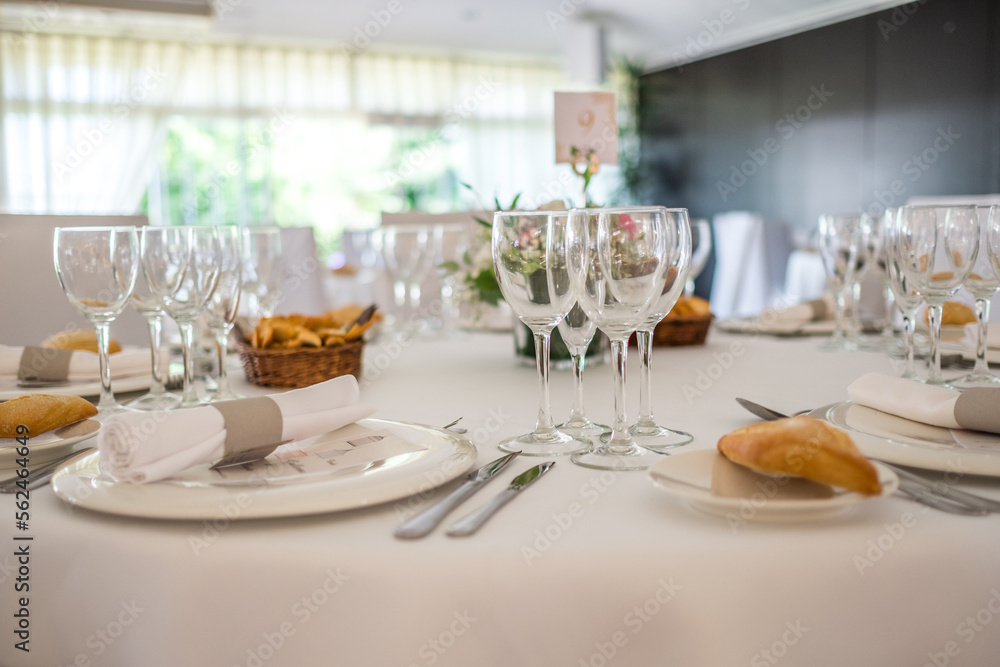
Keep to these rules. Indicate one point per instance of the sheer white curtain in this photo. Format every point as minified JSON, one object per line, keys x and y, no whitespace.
{"x":82,"y":117}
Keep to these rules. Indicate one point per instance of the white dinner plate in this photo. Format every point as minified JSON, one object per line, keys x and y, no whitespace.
{"x":897,"y":440}
{"x":711,"y":483}
{"x":9,"y":388}
{"x":445,"y":456}
{"x":48,"y":446}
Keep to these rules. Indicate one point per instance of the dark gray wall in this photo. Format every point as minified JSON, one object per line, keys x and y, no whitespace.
{"x":857,"y":115}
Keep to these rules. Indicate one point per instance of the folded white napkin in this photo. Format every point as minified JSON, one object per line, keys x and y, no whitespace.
{"x":977,"y":409}
{"x":815,"y":310}
{"x":83,"y":365}
{"x":144,"y":447}
{"x":971,"y":338}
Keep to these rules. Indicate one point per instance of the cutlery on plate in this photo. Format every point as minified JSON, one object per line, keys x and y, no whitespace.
{"x":939,"y":502}
{"x":951,"y":495}
{"x":424,"y":522}
{"x":474,"y":521}
{"x":41,"y":474}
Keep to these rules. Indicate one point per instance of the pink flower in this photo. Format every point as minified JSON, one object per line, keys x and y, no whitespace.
{"x":628,"y":224}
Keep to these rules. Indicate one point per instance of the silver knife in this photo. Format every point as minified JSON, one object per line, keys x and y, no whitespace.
{"x":471,"y":523}
{"x":425,"y":521}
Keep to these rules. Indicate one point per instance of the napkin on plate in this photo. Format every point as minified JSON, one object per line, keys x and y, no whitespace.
{"x":971,"y":337}
{"x":977,"y":409}
{"x":815,"y":310}
{"x":147,"y":446}
{"x":49,"y":364}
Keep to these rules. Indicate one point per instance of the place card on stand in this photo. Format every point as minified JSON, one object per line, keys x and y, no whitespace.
{"x":586,"y":121}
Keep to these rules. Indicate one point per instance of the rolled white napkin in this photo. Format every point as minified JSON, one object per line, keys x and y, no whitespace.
{"x":145,"y":447}
{"x":971,"y":338}
{"x":83,"y":366}
{"x":977,"y":409}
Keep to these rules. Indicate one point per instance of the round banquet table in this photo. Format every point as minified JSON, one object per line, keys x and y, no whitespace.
{"x":584,"y":569}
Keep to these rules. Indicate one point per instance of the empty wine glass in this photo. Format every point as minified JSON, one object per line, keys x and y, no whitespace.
{"x":148,"y":305}
{"x":621,"y":260}
{"x":263,"y":271}
{"x":96,"y":268}
{"x":407,"y":253}
{"x":869,"y":245}
{"x":983,"y":282}
{"x":224,"y":303}
{"x":530,"y":259}
{"x":646,"y":431}
{"x":937,"y":247}
{"x":905,"y":298}
{"x":839,"y":239}
{"x":577,"y":331}
{"x":182,"y":267}
{"x":449,"y":243}
{"x":701,"y":248}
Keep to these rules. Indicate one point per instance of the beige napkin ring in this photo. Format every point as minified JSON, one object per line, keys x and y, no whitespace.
{"x":43,"y":364}
{"x":254,"y":427}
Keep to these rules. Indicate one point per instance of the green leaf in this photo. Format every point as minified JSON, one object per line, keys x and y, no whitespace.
{"x":483,"y":222}
{"x":449,"y":267}
{"x":513,"y":204}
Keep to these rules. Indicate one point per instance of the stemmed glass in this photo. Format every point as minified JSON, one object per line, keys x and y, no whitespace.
{"x":406,"y":251}
{"x":869,"y":246}
{"x":646,"y":431}
{"x":621,"y":261}
{"x":182,"y":267}
{"x":148,"y":305}
{"x":96,"y":267}
{"x":839,"y":240}
{"x":983,"y":282}
{"x":224,"y":303}
{"x":577,"y":331}
{"x":937,"y":246}
{"x":263,"y":271}
{"x":530,"y":259}
{"x":904,"y":296}
{"x":449,"y":243}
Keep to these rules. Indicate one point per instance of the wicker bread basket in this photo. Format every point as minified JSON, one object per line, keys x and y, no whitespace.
{"x":683,"y":330}
{"x":300,"y":367}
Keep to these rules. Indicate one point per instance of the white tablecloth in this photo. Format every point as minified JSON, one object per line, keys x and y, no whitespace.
{"x":584,"y":569}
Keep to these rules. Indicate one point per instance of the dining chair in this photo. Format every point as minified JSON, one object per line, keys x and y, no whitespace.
{"x":32,"y":304}
{"x":751,"y":255}
{"x":304,"y":286}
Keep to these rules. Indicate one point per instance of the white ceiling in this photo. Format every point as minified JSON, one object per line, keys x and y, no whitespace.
{"x":657,"y":32}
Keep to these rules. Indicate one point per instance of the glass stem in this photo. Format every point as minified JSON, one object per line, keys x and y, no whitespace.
{"x":544,"y":425}
{"x":934,"y":360}
{"x":189,"y":396}
{"x":909,"y":325}
{"x":155,"y":323}
{"x":856,"y":308}
{"x":983,"y":314}
{"x":577,"y":413}
{"x":645,"y":340}
{"x":621,"y":441}
{"x":107,"y":400}
{"x":838,"y":316}
{"x":222,"y":348}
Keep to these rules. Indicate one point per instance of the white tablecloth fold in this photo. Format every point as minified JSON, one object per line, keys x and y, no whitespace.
{"x":84,"y":366}
{"x":145,"y":447}
{"x":977,"y":409}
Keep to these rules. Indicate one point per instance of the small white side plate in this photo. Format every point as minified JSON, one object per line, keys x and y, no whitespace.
{"x":688,"y":476}
{"x":48,"y":446}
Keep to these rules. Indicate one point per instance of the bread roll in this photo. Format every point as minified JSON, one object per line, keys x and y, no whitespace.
{"x":803,"y":447}
{"x":42,"y":413}
{"x":79,"y":340}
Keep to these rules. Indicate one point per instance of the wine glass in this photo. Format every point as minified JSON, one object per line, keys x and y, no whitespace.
{"x":530,"y":259}
{"x":646,"y":431}
{"x":96,"y":268}
{"x":621,"y":260}
{"x":406,"y":251}
{"x":224,"y":303}
{"x":182,"y":267}
{"x":263,"y":271}
{"x":869,"y":245}
{"x":450,"y":244}
{"x":701,"y":247}
{"x":839,"y":239}
{"x":577,"y":331}
{"x":937,"y":247}
{"x":905,"y":298}
{"x":983,"y":282}
{"x":148,"y":305}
